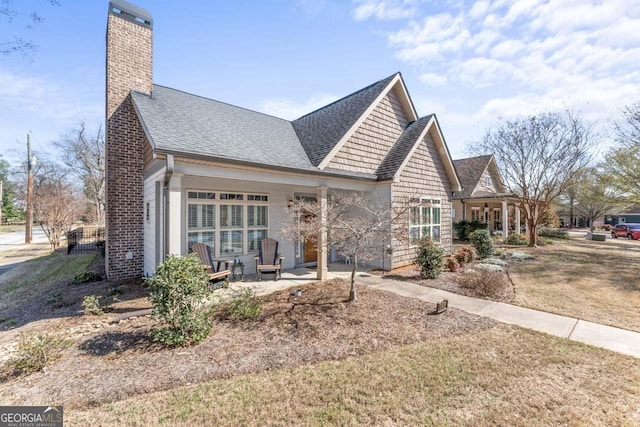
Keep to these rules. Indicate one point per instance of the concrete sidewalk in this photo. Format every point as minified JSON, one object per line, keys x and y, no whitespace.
{"x":608,"y":337}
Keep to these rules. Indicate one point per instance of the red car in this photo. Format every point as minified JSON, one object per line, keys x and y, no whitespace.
{"x":628,"y":230}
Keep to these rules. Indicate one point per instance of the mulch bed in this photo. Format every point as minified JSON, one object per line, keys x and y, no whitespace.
{"x":110,"y":362}
{"x":447,"y":281}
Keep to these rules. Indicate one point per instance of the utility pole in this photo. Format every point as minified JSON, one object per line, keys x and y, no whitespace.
{"x":29,"y":216}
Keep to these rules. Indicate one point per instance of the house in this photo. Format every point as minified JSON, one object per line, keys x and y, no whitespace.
{"x":182,"y":168}
{"x":483,"y":196}
{"x":632,"y":214}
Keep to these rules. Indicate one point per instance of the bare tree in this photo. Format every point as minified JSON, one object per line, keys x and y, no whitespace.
{"x":9,"y":13}
{"x":83,"y":153}
{"x":359,"y":227}
{"x":538,"y":157}
{"x":55,"y":208}
{"x":623,"y":162}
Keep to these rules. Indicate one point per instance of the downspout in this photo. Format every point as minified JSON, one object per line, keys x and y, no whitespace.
{"x":165,"y":206}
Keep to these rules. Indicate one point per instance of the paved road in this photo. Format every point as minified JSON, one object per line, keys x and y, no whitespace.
{"x":15,"y":239}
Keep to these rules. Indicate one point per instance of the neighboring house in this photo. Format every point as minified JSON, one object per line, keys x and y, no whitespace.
{"x":182,"y":168}
{"x":628,"y":215}
{"x":483,"y":197}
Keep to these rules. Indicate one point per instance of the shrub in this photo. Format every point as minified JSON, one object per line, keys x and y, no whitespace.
{"x":555,"y":233}
{"x":484,"y":283}
{"x":519,"y":256}
{"x":35,"y":352}
{"x":464,"y":228}
{"x":177,"y":291}
{"x":243,"y":305}
{"x":451,"y":264}
{"x":86,"y":277}
{"x":489,"y":267}
{"x":495,"y":261}
{"x":429,"y":258}
{"x":516,"y":240}
{"x":465,"y":254}
{"x":91,"y":305}
{"x":482,"y":242}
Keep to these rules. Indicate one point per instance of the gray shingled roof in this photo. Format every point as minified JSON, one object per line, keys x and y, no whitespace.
{"x":179,"y":122}
{"x":322,"y":129}
{"x":402,"y":148}
{"x":470,"y":171}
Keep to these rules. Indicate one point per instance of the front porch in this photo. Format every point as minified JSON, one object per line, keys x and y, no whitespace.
{"x":501,"y":214}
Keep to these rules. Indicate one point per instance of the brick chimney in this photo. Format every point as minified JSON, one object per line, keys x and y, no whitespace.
{"x":128,"y":67}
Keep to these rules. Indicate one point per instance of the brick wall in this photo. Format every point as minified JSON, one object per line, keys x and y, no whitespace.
{"x":128,"y":66}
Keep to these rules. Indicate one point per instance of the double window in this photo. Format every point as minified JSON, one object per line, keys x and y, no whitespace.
{"x":230,"y":223}
{"x":424,"y":220}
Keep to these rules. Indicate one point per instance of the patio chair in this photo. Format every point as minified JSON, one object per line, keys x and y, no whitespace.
{"x":268,"y":259}
{"x":204,"y":253}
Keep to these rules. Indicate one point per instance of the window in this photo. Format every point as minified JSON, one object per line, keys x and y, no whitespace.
{"x":487,"y":181}
{"x":147,"y":214}
{"x":241,"y":221}
{"x":475,"y":214}
{"x":496,"y":214}
{"x":424,"y":220}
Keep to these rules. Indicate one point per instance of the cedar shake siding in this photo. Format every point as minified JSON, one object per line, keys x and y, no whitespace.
{"x":128,"y":66}
{"x":370,"y":143}
{"x":423,"y":176}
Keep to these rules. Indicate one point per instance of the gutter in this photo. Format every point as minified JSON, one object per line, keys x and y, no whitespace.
{"x":165,"y":206}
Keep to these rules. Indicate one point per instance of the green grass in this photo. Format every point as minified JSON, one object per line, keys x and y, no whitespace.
{"x":502,"y":376}
{"x":10,"y":228}
{"x":39,"y":276}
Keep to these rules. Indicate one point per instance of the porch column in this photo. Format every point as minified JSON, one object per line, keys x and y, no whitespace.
{"x":517,"y":228}
{"x":322,"y":235}
{"x":505,"y":220}
{"x":174,"y":216}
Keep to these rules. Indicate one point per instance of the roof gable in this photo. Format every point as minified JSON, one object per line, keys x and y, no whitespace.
{"x":472,"y":169}
{"x":324,"y":131}
{"x":405,"y":147}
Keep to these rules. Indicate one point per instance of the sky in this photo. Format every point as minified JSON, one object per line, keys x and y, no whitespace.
{"x":469,"y":62}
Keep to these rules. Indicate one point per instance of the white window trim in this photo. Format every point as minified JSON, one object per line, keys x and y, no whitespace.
{"x":217,"y":202}
{"x":433,"y":202}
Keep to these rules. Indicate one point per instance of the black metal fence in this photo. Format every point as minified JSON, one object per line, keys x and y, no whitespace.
{"x":85,"y":240}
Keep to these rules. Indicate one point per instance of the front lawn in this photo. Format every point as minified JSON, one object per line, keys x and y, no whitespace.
{"x":499,"y":376}
{"x":594,"y":281}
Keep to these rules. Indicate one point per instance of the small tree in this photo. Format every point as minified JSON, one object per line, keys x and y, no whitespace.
{"x":357,"y":226}
{"x":623,"y":163}
{"x":55,"y":208}
{"x":178,"y":289}
{"x":538,"y":158}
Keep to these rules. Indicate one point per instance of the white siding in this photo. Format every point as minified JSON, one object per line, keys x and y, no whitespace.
{"x":150,"y":242}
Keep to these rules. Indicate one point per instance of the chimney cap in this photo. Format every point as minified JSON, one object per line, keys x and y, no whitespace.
{"x":131,"y":12}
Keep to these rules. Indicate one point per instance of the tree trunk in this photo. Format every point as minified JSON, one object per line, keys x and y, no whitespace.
{"x":571,"y":215}
{"x":533,"y":233}
{"x":353,"y":297}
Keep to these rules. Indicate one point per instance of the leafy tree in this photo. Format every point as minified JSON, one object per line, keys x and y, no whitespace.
{"x":595,"y":196}
{"x":359,"y":227}
{"x":538,"y":157}
{"x":83,"y":153}
{"x":9,"y":208}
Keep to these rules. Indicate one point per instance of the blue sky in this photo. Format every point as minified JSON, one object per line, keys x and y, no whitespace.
{"x":470,"y":62}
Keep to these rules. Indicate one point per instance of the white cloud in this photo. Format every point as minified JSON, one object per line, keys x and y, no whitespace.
{"x":290,"y":110}
{"x":433,"y":79}
{"x":384,"y":10}
{"x":514,"y":57}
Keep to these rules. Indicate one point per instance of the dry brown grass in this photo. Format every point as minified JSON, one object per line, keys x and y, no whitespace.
{"x":499,"y":376}
{"x":595,"y":281}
